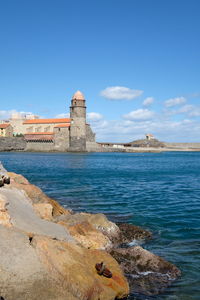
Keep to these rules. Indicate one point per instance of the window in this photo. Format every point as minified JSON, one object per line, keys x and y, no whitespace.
{"x":38,"y":129}
{"x":29,"y":129}
{"x":47,"y":129}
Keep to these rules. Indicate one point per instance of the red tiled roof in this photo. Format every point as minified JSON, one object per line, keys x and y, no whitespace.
{"x":3,"y":126}
{"x":40,"y":136}
{"x":62,"y":125}
{"x":47,"y":121}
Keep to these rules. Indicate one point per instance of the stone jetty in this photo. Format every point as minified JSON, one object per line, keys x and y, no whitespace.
{"x":49,"y":252}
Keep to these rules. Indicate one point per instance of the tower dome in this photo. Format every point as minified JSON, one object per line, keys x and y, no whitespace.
{"x":78,"y":96}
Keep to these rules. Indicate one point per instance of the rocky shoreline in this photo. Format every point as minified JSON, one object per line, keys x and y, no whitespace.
{"x":49,"y":252}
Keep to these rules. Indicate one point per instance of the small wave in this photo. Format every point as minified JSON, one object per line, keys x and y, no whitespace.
{"x":135,"y":243}
{"x":142,"y":274}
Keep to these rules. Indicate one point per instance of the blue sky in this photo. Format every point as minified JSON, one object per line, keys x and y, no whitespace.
{"x":136,"y":61}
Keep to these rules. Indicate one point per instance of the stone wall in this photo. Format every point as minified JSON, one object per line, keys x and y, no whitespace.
{"x":93,"y":147}
{"x":61,"y":139}
{"x":12,"y":144}
{"x":77,"y":135}
{"x":77,"y":144}
{"x":90,"y":135}
{"x":40,"y":146}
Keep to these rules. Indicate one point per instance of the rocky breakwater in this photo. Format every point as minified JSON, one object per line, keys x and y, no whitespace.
{"x":48,"y":252}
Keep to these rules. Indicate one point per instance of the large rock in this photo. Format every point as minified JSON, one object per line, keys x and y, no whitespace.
{"x":62,"y":249}
{"x":98,"y":221}
{"x":44,"y":210}
{"x":147,"y":273}
{"x":129,"y":233}
{"x":91,"y":230}
{"x":23,"y":216}
{"x":23,"y":276}
{"x":44,"y":268}
{"x":86,"y":235}
{"x":43,"y":257}
{"x":101,"y":223}
{"x":74,"y":268}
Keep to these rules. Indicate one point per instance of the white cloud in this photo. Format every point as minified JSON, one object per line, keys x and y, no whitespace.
{"x":175,"y":101}
{"x":6,"y":114}
{"x":139,"y":114}
{"x":120,"y":93}
{"x":94,"y":117}
{"x":134,"y":125}
{"x":189,"y":110}
{"x":195,"y":112}
{"x":148,"y":101}
{"x":61,"y":116}
{"x":185,"y":109}
{"x":165,"y":130}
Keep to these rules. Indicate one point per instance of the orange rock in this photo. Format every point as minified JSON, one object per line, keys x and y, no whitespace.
{"x":101,"y":223}
{"x":3,"y":203}
{"x":87,"y":235}
{"x":17,"y":178}
{"x":91,"y":230}
{"x":73,"y":268}
{"x":58,"y":209}
{"x":44,"y":210}
{"x":69,"y":265}
{"x":5,"y":219}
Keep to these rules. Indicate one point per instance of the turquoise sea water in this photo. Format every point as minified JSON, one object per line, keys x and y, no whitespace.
{"x":160,"y":192}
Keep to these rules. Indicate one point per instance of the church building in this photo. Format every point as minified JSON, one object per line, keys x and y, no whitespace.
{"x":66,"y":134}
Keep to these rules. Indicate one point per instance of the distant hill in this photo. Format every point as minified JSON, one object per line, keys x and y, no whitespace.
{"x":147,"y":143}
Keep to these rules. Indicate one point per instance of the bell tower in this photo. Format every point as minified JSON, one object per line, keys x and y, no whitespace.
{"x":77,"y":135}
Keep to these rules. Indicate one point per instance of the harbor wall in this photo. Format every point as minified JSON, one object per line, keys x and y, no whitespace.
{"x":12,"y":144}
